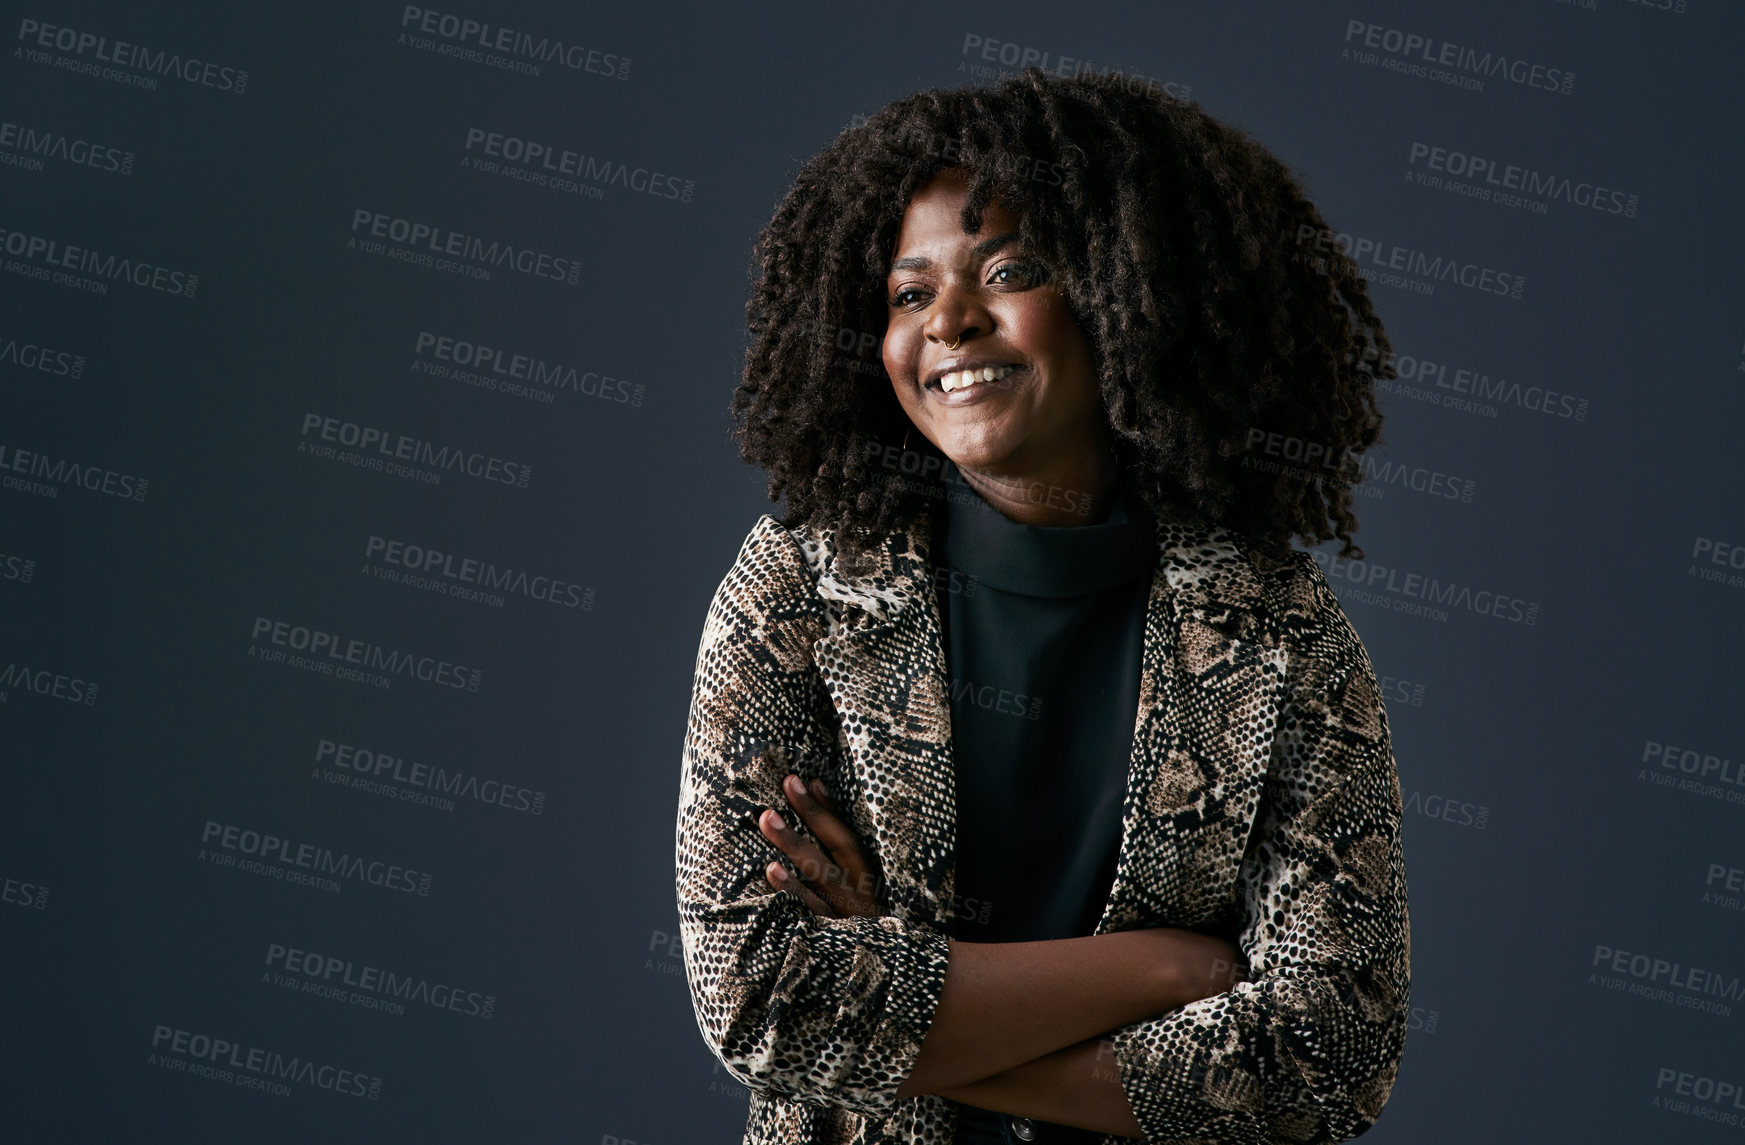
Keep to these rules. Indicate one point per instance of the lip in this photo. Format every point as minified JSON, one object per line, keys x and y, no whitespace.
{"x":952,"y":365}
{"x":981,"y":391}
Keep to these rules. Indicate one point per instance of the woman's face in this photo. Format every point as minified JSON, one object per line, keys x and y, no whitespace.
{"x":985,"y":293}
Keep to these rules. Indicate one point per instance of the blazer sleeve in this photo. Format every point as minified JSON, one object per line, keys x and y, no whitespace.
{"x":1308,"y":1049}
{"x":830,"y":1011}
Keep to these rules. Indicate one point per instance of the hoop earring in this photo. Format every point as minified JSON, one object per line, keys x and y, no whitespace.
{"x":906,"y":439}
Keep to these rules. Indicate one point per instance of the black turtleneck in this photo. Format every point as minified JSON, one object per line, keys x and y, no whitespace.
{"x":1043,"y":633}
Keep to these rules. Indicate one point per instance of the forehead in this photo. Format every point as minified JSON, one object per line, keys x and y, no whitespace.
{"x":932,"y":221}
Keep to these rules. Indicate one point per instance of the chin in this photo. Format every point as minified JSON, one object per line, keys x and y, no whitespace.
{"x":976,"y":455}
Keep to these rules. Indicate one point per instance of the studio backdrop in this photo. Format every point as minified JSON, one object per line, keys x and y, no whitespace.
{"x":365,"y":477}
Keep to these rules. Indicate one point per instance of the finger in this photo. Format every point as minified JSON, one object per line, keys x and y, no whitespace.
{"x":821,"y":795}
{"x":848,"y":880}
{"x":781,"y":880}
{"x":825,"y":825}
{"x":861,"y":874}
{"x":814,"y":872}
{"x":811,"y":863}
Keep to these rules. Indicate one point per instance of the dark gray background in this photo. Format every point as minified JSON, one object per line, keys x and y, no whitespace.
{"x":567,"y":918}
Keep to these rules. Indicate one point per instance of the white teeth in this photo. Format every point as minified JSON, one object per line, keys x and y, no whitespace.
{"x":963,"y":378}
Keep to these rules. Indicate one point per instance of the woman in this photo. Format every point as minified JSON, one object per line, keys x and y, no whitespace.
{"x":1035,"y":788}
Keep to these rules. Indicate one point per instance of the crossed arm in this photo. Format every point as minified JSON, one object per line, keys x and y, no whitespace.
{"x":1033,"y":1013}
{"x":1017,"y":1029}
{"x":856,"y":1013}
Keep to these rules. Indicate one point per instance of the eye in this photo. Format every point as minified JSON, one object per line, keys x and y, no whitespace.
{"x":902,"y":298}
{"x":1023,"y":275}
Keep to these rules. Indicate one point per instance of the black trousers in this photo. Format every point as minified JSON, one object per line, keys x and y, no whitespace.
{"x":977,"y":1126}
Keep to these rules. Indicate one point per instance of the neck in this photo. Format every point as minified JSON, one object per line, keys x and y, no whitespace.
{"x":1077,"y":488}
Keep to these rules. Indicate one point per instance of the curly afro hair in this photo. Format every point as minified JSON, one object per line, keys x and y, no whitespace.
{"x":1235,"y":345}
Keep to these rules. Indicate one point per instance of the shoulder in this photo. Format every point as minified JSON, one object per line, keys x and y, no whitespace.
{"x":880,"y":581}
{"x":764,"y":617}
{"x":1298,"y":599}
{"x":772,"y":570}
{"x":771,"y":546}
{"x":1330,"y":668}
{"x":1269,"y":595}
{"x":788,"y":573}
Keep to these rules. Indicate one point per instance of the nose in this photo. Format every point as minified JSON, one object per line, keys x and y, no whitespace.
{"x":955,"y":317}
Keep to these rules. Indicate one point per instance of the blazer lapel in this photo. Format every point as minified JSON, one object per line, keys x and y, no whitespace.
{"x":1211,"y":686}
{"x":883,"y":663}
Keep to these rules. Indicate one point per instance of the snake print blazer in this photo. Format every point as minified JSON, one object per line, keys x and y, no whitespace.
{"x":1262,"y":802}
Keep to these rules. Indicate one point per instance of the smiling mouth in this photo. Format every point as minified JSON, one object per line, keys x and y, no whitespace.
{"x":965,"y":379}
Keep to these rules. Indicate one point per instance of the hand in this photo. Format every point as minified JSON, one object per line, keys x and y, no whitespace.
{"x":1206,"y":964}
{"x":837,"y":883}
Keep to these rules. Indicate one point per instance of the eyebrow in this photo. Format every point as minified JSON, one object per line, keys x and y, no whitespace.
{"x":980,"y":251}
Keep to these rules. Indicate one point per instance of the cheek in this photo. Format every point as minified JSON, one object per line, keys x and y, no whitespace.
{"x":898,"y":365}
{"x":1054,"y":321}
{"x":897,"y":352}
{"x":1051,"y":330}
{"x":1035,"y":323}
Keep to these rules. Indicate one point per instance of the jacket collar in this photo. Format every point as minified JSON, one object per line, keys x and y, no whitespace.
{"x":1206,"y":569}
{"x":1212,"y":684}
